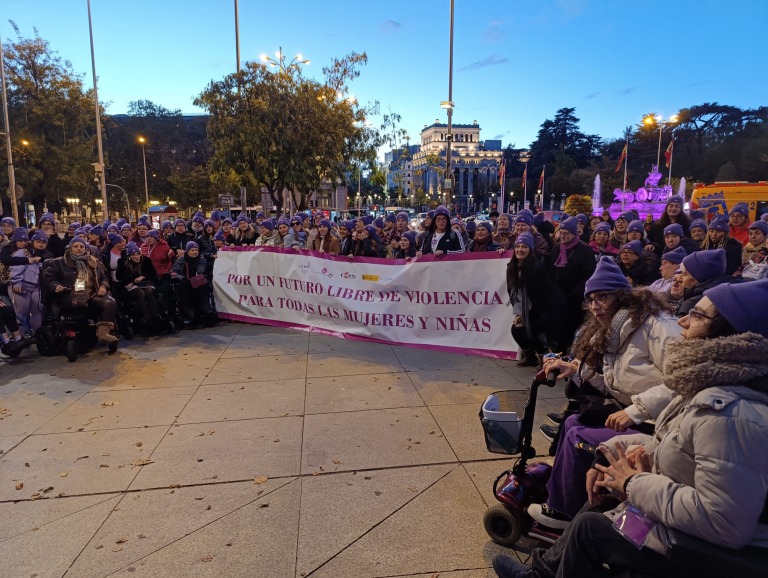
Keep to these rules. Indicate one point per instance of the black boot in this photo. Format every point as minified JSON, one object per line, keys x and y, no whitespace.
{"x":529,"y":359}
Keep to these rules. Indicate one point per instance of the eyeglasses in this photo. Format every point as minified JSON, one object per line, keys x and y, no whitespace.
{"x":599,"y":298}
{"x":296,"y":225}
{"x":695,"y":314}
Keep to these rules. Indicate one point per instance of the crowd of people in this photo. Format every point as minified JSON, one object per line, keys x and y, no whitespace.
{"x":678,"y":256}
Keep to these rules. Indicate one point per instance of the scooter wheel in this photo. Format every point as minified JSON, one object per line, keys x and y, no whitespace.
{"x":502,"y":525}
{"x":71,"y":350}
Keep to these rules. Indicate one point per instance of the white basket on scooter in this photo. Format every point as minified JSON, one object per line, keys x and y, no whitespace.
{"x":501,"y":418}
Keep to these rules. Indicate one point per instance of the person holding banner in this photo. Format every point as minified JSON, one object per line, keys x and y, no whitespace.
{"x":346,"y":243}
{"x":283,"y":228}
{"x":503,"y":235}
{"x":483,"y":240}
{"x":366,"y":244}
{"x":324,"y":241}
{"x":440,"y":238}
{"x":538,"y":303}
{"x":297,"y":237}
{"x":194,"y":290}
{"x":407,"y":246}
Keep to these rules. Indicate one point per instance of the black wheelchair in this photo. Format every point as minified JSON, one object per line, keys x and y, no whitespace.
{"x":69,"y":331}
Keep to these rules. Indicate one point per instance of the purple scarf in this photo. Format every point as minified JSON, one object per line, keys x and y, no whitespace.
{"x":562,"y":258}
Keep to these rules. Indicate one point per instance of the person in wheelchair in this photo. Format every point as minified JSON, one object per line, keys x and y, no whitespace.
{"x":693,"y":495}
{"x":193,"y":289}
{"x":137,"y":279}
{"x":78,"y":279}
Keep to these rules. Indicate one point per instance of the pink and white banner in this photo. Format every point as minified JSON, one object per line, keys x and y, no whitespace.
{"x":454,"y":303}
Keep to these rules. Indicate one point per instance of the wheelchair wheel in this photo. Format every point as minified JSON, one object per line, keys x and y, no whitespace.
{"x":71,"y":350}
{"x":127,"y":332}
{"x":112,"y":347}
{"x":502,"y":525}
{"x":45,"y":340}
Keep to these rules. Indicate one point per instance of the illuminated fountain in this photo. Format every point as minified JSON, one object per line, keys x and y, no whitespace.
{"x":650,"y":198}
{"x":597,"y":209}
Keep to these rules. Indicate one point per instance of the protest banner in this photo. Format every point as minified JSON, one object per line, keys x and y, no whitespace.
{"x":455,"y":303}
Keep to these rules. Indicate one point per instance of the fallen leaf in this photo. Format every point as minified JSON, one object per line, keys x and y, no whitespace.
{"x":81,"y":458}
{"x":208,"y":508}
{"x":336,"y":461}
{"x":315,"y":473}
{"x":199,"y":498}
{"x":139,"y":444}
{"x":103,"y":465}
{"x":48,"y":489}
{"x":142,"y":536}
{"x":263,"y":505}
{"x":20,"y":485}
{"x":122,"y":540}
{"x":100,"y":546}
{"x":141,"y":462}
{"x":35,"y":496}
{"x":117,"y":548}
{"x":63,"y":474}
{"x":206,"y":558}
{"x":260,"y":480}
{"x":175,"y":486}
{"x":109,"y":403}
{"x":367,"y":477}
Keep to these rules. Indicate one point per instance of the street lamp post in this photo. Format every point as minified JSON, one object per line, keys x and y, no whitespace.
{"x":127,"y":202}
{"x":142,"y":140}
{"x":448,"y":105}
{"x":102,"y":177}
{"x":11,"y":173}
{"x":651,"y":119}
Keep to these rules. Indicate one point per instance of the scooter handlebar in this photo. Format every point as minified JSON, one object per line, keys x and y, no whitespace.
{"x":552,"y":377}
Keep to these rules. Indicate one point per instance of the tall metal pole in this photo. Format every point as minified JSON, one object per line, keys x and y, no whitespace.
{"x":127,"y":202}
{"x":658,"y":154}
{"x":11,"y":173}
{"x":103,"y":183}
{"x":146,"y":186}
{"x":448,"y":171}
{"x":624,"y":186}
{"x":237,"y":37}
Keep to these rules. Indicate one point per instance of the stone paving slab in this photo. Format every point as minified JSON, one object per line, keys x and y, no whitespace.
{"x":372,"y":439}
{"x":360,"y":392}
{"x":268,"y":452}
{"x":215,"y":452}
{"x":238,"y":401}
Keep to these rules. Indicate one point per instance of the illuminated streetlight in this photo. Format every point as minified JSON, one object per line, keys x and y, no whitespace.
{"x":279,"y":61}
{"x":143,"y":141}
{"x":656,"y":119}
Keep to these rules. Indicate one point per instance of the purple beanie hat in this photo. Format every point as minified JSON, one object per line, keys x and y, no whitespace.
{"x":636,"y":226}
{"x":698,"y":224}
{"x":391,"y":218}
{"x":674,"y":229}
{"x":20,"y":234}
{"x":720,"y":224}
{"x":741,"y":208}
{"x":114,"y":238}
{"x":762,"y":225}
{"x":604,"y":227}
{"x":705,"y":265}
{"x":442,"y":210}
{"x":404,"y":216}
{"x":40,"y":236}
{"x":524,"y":218}
{"x":367,"y":220}
{"x":487,"y":225}
{"x":154,"y":234}
{"x":131,"y":248}
{"x":607,"y":277}
{"x":411,"y":236}
{"x":736,"y":303}
{"x":635,"y":246}
{"x":675,"y":256}
{"x":526,"y":239}
{"x":471,"y":226}
{"x":570,"y":225}
{"x":191,"y":245}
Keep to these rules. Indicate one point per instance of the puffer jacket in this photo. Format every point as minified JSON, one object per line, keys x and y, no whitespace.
{"x":25,"y":276}
{"x":633,"y":362}
{"x":161,"y":255}
{"x":710,"y":469}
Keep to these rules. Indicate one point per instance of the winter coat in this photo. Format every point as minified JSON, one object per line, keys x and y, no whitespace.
{"x":733,"y":251}
{"x":750,"y":250}
{"x":365,"y":248}
{"x":693,"y":295}
{"x":710,"y":469}
{"x":331,"y":244}
{"x":608,"y":249}
{"x":475,"y":246}
{"x":741,"y":234}
{"x":295,"y":240}
{"x":245,"y":239}
{"x":161,"y":256}
{"x":127,"y":271}
{"x":178,"y":241}
{"x":181,"y":269}
{"x":643,"y":272}
{"x":205,"y":242}
{"x":450,"y":242}
{"x":263,"y":241}
{"x":573,"y":277}
{"x":346,"y":246}
{"x":25,"y":276}
{"x":63,"y":271}
{"x":56,"y":245}
{"x":543,"y":301}
{"x":633,"y":362}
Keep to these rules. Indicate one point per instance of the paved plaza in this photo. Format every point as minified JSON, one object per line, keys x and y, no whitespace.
{"x":250,"y":451}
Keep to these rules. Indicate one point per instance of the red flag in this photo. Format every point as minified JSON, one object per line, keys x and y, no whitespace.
{"x":541,"y":178}
{"x":525,"y":173}
{"x":668,"y":152}
{"x":621,"y":158}
{"x":502,"y":172}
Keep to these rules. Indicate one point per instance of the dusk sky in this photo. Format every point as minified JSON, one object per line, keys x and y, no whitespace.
{"x":515,"y":63}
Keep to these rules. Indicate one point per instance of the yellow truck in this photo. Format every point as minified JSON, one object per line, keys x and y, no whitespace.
{"x":719,"y":198}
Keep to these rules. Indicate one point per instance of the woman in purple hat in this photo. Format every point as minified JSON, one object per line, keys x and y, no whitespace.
{"x":718,"y":237}
{"x":440,"y":238}
{"x":673,"y":213}
{"x":619,"y":352}
{"x":324,"y":240}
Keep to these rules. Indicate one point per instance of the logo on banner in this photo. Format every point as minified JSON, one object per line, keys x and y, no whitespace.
{"x":370,"y":277}
{"x":348,"y":275}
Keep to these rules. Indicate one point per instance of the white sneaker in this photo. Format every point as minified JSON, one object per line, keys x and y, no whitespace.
{"x":548,"y":517}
